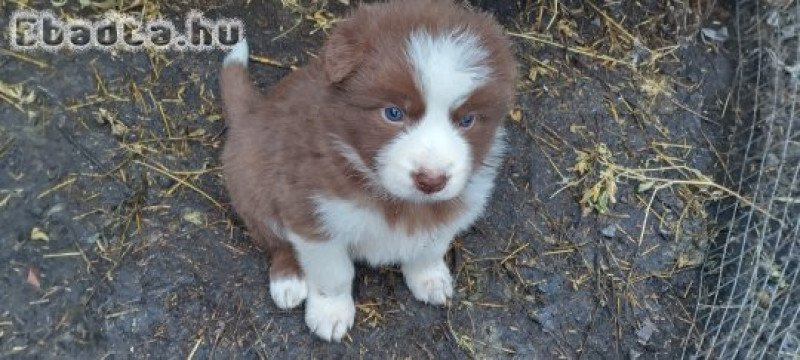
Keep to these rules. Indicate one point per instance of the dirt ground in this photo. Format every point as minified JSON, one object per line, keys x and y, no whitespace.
{"x":117,"y":239}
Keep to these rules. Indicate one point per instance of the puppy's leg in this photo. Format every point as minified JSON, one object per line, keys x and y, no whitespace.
{"x":428,"y":277}
{"x":330,"y":310}
{"x":287,"y":285}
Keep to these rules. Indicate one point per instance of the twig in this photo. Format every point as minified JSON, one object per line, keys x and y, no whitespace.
{"x":194,"y":349}
{"x":167,"y":173}
{"x":19,"y":56}
{"x":577,"y":50}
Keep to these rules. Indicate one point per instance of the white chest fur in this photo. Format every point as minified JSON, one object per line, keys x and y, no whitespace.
{"x":370,"y":237}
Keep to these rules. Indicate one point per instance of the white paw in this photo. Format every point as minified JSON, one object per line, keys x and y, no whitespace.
{"x":288,"y":292}
{"x":330,"y":317}
{"x":431,"y":284}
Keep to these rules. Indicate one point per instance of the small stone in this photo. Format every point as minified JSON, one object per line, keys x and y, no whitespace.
{"x":646,"y":331}
{"x":772,"y":160}
{"x":718,"y":35}
{"x":57,"y":208}
{"x":92,"y":239}
{"x":609,"y":231}
{"x":544,"y":317}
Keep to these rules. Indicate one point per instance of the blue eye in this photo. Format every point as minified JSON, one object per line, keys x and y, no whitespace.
{"x":466,"y":120}
{"x":393,"y":114}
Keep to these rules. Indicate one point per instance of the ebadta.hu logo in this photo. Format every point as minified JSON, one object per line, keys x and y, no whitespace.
{"x":41,"y":30}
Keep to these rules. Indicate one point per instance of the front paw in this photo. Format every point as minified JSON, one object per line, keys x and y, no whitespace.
{"x":430,"y":284}
{"x":330,"y":317}
{"x":288,"y":292}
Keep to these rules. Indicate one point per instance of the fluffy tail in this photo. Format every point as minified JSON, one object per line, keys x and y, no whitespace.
{"x":238,"y":92}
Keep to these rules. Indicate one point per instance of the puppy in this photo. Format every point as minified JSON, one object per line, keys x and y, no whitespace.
{"x":382,"y":149}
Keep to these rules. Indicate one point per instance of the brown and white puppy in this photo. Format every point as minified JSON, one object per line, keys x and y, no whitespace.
{"x":382,"y":150}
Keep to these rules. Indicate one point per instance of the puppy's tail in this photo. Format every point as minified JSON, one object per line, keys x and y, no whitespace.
{"x":238,"y":92}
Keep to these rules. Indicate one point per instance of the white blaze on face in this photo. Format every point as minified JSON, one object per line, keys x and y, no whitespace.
{"x":447,"y":68}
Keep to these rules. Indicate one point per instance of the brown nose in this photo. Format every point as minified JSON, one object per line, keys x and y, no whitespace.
{"x":428,"y":181}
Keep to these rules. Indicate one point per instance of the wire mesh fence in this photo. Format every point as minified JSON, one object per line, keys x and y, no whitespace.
{"x":749,"y":298}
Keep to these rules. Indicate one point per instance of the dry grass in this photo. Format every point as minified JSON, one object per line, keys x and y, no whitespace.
{"x":661,"y":170}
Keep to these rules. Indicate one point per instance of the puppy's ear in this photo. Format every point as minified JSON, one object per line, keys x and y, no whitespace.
{"x":342,"y":52}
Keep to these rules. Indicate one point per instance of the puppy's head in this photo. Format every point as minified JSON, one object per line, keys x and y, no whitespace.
{"x":419,"y":89}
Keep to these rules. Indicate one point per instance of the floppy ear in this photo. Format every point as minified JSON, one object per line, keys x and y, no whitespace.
{"x":342,"y":52}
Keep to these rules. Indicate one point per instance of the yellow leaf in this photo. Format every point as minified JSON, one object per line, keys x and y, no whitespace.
{"x":655,"y":86}
{"x":587,"y":197}
{"x":118,"y":128}
{"x":567,"y":28}
{"x":602,"y":150}
{"x":197,"y":132}
{"x":645,"y":186}
{"x":515,"y":114}
{"x":581,"y":167}
{"x":611,"y":189}
{"x":194,"y":217}
{"x":575,"y":129}
{"x":537,"y":71}
{"x":38,"y":234}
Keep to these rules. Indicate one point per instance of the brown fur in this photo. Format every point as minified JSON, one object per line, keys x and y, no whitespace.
{"x":280,"y":148}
